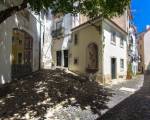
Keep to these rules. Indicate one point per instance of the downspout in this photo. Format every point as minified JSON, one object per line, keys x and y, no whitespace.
{"x":40,"y":43}
{"x":102,"y":50}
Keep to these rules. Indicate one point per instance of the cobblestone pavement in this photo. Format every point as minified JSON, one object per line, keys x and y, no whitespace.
{"x":57,"y":95}
{"x":123,"y":90}
{"x":53,"y":95}
{"x":135,"y":107}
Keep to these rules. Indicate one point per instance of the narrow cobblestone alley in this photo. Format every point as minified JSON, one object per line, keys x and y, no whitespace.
{"x":135,"y":107}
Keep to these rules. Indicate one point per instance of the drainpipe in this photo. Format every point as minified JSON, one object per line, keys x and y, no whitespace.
{"x":40,"y":43}
{"x":102,"y":51}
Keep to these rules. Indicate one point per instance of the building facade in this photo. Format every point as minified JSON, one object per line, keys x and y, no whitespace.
{"x":147,"y":51}
{"x":62,"y":49}
{"x":90,"y":53}
{"x":133,"y":49}
{"x":61,"y":37}
{"x":140,"y":41}
{"x":143,"y":48}
{"x":20,"y":44}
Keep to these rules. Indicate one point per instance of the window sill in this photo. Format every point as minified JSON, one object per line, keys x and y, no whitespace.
{"x":91,"y":70}
{"x":121,"y":46}
{"x":113,"y":43}
{"x":122,"y":70}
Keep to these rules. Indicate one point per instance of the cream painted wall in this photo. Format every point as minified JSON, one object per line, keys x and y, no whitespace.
{"x":147,"y":50}
{"x":89,"y":34}
{"x":114,"y":51}
{"x":85,"y":37}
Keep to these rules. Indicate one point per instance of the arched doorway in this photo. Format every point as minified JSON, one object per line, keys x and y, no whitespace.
{"x":22,"y":53}
{"x":92,"y":58}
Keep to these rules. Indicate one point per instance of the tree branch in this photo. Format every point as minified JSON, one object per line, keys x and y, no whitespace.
{"x":4,"y":14}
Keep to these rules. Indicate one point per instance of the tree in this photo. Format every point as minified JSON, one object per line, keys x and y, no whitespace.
{"x":91,"y":8}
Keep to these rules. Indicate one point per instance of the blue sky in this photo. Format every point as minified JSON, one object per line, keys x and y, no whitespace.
{"x":141,"y":13}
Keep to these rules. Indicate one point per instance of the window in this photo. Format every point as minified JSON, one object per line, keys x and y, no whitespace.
{"x":47,"y":14}
{"x":19,"y":58}
{"x":121,"y":42}
{"x":113,"y":38}
{"x":43,"y":38}
{"x":20,"y":42}
{"x":122,"y":64}
{"x":131,"y":40}
{"x":13,"y":40}
{"x":75,"y":39}
{"x":76,"y":61}
{"x":59,"y":25}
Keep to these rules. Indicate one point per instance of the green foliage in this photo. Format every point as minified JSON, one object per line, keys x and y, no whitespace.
{"x":91,"y":8}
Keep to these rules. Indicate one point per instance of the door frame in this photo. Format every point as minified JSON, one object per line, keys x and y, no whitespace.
{"x":57,"y":62}
{"x":67,"y":51}
{"x":115,"y":68}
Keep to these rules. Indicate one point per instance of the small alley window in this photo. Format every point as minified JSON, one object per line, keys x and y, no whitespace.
{"x":113,"y":37}
{"x":13,"y":40}
{"x":20,"y":42}
{"x":121,"y":42}
{"x":76,"y":39}
{"x":76,"y":61}
{"x":122,"y":64}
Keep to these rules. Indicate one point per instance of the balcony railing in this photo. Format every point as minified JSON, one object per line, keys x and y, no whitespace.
{"x":57,"y":33}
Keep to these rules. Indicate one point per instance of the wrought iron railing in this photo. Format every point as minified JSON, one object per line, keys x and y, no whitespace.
{"x":58,"y":32}
{"x":19,"y":70}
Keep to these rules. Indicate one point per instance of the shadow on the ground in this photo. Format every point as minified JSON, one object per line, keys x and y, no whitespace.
{"x":135,"y":107}
{"x":36,"y":93}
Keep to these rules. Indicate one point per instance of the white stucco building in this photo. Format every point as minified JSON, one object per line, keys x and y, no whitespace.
{"x":21,"y":39}
{"x":133,"y":49}
{"x":65,"y":54}
{"x":103,"y":52}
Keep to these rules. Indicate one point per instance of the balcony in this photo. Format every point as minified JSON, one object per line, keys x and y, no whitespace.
{"x":58,"y":33}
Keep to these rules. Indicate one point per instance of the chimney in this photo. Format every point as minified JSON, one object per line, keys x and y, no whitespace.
{"x":147,"y":27}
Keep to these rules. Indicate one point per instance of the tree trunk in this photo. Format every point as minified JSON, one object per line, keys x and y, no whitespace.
{"x":4,"y":14}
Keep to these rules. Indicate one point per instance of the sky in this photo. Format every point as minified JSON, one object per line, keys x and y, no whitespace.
{"x":141,"y":13}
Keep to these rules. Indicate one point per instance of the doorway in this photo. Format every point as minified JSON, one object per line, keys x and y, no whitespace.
{"x":58,"y":57}
{"x":113,"y":68}
{"x":65,"y":58}
{"x":22,"y":53}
